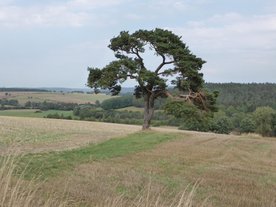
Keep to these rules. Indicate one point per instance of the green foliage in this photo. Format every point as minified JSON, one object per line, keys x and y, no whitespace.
{"x":50,"y":105}
{"x":91,"y":113}
{"x":247,"y":125}
{"x":192,"y":115}
{"x":244,"y":97}
{"x":221,"y":124}
{"x":58,"y":116}
{"x":196,"y":124}
{"x":117,"y":103}
{"x":265,"y":121}
{"x":10,"y":102}
{"x":181,"y":109}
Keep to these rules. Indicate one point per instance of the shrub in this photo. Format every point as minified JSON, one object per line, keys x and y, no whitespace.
{"x":247,"y":125}
{"x":265,"y":121}
{"x":221,"y":125}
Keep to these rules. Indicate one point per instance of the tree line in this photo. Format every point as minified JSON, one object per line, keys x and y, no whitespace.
{"x":244,"y":97}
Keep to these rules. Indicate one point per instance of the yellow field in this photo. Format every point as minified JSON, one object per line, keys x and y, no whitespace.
{"x":37,"y":134}
{"x":79,"y":98}
{"x":228,"y":170}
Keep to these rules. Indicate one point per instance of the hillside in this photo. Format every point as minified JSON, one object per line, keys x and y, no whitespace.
{"x":248,"y":96}
{"x":79,"y":98}
{"x":117,"y":165}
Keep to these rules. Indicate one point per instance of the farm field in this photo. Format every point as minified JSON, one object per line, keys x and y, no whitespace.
{"x":33,"y":113}
{"x":21,"y":134}
{"x":100,"y":164}
{"x":131,"y":108}
{"x":79,"y":98}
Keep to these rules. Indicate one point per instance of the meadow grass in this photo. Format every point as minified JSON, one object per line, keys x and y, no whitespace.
{"x":52,"y":163}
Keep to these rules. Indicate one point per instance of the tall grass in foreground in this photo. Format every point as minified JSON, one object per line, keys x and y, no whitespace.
{"x":152,"y":199}
{"x":17,"y":192}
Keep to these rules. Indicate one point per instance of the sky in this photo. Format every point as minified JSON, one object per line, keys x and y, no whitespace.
{"x":50,"y":43}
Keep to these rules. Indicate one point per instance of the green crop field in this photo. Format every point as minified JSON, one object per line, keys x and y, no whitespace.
{"x":76,"y":163}
{"x":79,"y":98}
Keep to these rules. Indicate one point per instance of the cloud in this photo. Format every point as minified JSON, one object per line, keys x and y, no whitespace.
{"x":93,"y":4}
{"x":176,"y":5}
{"x":234,"y":45}
{"x":12,"y":16}
{"x":73,"y":13}
{"x":231,"y":31}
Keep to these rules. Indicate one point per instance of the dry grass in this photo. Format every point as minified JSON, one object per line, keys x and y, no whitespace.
{"x":15,"y":192}
{"x":40,"y":135}
{"x":234,"y":171}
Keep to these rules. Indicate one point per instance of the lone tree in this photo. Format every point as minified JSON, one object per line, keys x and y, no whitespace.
{"x":177,"y":62}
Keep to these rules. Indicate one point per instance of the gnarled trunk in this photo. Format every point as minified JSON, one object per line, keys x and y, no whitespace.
{"x":148,"y":110}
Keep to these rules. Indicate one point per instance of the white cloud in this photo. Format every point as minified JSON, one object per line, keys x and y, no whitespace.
{"x":231,"y":31}
{"x":72,"y":13}
{"x":174,"y":5}
{"x":234,"y":45}
{"x":93,"y":4}
{"x":59,"y":15}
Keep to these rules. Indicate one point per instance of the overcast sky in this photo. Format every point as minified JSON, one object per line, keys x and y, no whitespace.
{"x":52,"y":42}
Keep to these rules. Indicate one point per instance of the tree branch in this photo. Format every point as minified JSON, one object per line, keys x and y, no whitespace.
{"x":163,"y":63}
{"x":139,"y":56}
{"x":191,"y":98}
{"x":159,"y":93}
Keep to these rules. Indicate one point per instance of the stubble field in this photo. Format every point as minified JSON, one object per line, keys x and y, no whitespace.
{"x":99,"y":164}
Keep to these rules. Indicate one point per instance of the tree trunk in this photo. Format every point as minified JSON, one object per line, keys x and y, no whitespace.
{"x":148,"y":110}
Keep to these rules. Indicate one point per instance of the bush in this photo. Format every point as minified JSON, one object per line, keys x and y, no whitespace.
{"x":247,"y":125}
{"x":221,"y":125}
{"x":117,"y":103}
{"x":265,"y":121}
{"x":58,"y":116}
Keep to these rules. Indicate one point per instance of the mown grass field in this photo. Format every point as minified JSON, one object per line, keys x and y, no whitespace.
{"x":79,"y":98}
{"x":37,"y":134}
{"x":34,"y":113}
{"x":122,"y":166}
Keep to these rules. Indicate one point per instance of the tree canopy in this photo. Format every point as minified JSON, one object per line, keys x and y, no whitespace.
{"x":177,"y":62}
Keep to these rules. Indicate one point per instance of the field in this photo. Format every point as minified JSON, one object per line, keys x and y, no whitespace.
{"x":131,"y":108}
{"x":36,"y":135}
{"x":34,"y":113}
{"x":79,"y":98}
{"x":99,"y":164}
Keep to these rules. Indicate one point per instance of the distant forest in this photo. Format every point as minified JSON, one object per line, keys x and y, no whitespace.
{"x":244,"y":97}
